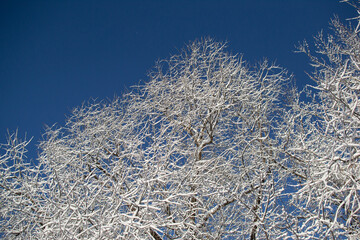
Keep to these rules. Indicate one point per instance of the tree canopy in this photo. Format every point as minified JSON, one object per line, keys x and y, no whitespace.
{"x":208,"y":148}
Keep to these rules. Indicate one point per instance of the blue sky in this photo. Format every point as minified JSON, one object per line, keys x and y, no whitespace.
{"x":55,"y":55}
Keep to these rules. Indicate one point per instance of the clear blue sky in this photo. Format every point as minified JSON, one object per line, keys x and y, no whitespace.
{"x":54,"y":55}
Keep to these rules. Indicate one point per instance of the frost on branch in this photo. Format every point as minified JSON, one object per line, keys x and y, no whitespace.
{"x":19,"y":198}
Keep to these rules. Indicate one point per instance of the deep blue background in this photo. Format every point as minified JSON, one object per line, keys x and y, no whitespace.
{"x":54,"y":55}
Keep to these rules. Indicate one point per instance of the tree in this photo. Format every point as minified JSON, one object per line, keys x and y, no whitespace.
{"x":208,"y":148}
{"x":323,"y":143}
{"x":187,"y":155}
{"x":210,"y":119}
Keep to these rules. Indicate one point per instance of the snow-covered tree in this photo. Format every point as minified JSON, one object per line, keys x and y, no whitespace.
{"x":207,"y":120}
{"x":208,"y":148}
{"x":323,"y":140}
{"x":187,"y":155}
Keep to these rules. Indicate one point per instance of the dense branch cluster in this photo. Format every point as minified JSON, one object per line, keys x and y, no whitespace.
{"x":208,"y":148}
